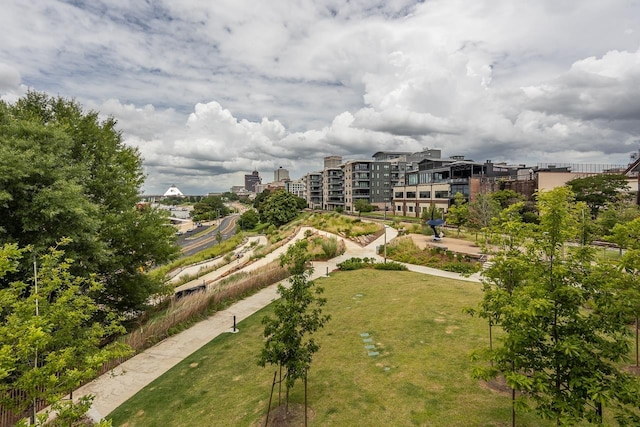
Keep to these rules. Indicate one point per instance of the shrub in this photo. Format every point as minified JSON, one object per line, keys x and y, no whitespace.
{"x":354,"y":264}
{"x":330,"y":247}
{"x":395,"y":266}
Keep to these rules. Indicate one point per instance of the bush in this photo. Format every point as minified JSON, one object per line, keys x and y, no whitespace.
{"x":394,"y":266}
{"x":330,"y":247}
{"x":355,"y":263}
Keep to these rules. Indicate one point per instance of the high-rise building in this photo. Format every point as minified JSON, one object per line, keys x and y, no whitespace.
{"x":280,"y":174}
{"x":251,"y":180}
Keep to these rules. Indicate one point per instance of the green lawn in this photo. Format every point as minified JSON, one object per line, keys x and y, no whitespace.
{"x":421,"y":376}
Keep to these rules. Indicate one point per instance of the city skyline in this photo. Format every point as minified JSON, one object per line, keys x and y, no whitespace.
{"x":210,"y":92}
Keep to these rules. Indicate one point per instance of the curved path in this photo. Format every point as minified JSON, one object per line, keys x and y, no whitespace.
{"x":115,"y":387}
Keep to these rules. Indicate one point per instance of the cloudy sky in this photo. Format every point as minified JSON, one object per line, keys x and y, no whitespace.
{"x":211,"y":90}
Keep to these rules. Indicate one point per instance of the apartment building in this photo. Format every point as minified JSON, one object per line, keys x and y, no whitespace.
{"x":313,"y":184}
{"x":333,"y":188}
{"x":297,"y":187}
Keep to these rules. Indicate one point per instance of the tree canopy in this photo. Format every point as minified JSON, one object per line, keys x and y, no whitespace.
{"x":280,"y":207}
{"x":211,"y":207}
{"x":599,"y":190}
{"x":562,"y":317}
{"x":49,"y":341}
{"x":65,"y":173}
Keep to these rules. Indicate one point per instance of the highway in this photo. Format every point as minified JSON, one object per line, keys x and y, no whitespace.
{"x":191,"y":244}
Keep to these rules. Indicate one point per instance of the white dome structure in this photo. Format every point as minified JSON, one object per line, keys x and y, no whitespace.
{"x":173,"y":191}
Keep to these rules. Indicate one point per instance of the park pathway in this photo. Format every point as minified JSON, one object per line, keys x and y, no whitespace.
{"x":117,"y":386}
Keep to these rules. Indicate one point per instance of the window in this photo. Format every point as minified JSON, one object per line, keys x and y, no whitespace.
{"x":410,"y":208}
{"x":411,"y":194}
{"x":425,"y":194}
{"x":442,"y":195}
{"x":398,"y":208}
{"x":399,"y":195}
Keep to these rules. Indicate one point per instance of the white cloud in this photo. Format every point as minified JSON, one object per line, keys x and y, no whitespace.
{"x":211,"y":91}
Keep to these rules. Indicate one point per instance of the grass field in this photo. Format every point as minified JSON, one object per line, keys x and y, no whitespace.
{"x":421,"y":375}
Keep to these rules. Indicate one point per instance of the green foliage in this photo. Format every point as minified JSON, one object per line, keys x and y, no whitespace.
{"x":209,"y":208}
{"x":506,"y":198}
{"x":389,"y":265}
{"x":563,"y":324}
{"x":50,"y":342}
{"x":249,"y":219}
{"x":298,"y":315}
{"x":362,"y":205}
{"x":599,"y":190}
{"x":482,"y":210}
{"x":355,"y":263}
{"x":230,"y":196}
{"x":330,"y":247}
{"x":405,"y":250}
{"x":458,"y":214}
{"x":617,"y":213}
{"x":279,"y":208}
{"x":66,"y":174}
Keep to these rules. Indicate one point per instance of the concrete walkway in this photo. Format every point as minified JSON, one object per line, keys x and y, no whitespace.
{"x":117,"y":386}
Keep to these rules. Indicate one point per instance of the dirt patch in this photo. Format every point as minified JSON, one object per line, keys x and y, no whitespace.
{"x":633,"y":370}
{"x":497,"y":385}
{"x":295,"y":417}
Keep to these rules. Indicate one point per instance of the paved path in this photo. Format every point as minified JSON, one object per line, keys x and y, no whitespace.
{"x":115,"y":387}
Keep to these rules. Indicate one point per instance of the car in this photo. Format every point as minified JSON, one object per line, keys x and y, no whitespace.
{"x":179,"y":233}
{"x":198,"y":224}
{"x":190,"y":230}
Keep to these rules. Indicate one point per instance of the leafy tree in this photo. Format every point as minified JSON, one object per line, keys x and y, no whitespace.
{"x":458,"y":214}
{"x":279,"y":208}
{"x":599,"y":190}
{"x":249,"y":219}
{"x":209,"y":208}
{"x":506,"y":198}
{"x":230,"y":196}
{"x":560,"y":355}
{"x":481,"y":211}
{"x":50,"y":343}
{"x":66,"y":174}
{"x":260,"y":198}
{"x":620,"y":212}
{"x":298,"y":314}
{"x":628,"y":237}
{"x":362,"y":205}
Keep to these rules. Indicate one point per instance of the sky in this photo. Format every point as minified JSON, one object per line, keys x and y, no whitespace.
{"x":209,"y":91}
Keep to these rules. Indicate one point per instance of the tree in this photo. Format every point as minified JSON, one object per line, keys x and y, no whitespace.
{"x":230,"y":196}
{"x":209,"y":208}
{"x":279,"y":208}
{"x":599,"y":190}
{"x":458,"y":214}
{"x":362,"y":205}
{"x":620,"y":212}
{"x":628,"y":236}
{"x":66,"y":174}
{"x":249,"y":219}
{"x":50,"y":343}
{"x":298,"y":314}
{"x":481,"y":211}
{"x":506,"y":198}
{"x":561,"y":355}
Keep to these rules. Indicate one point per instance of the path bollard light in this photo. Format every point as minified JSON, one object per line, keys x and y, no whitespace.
{"x":234,"y":323}
{"x":327,"y":271}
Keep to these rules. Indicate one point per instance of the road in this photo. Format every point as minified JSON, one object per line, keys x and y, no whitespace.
{"x":202,"y":238}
